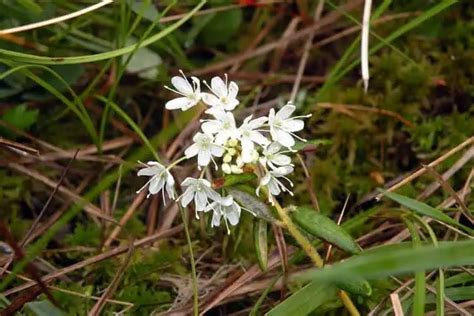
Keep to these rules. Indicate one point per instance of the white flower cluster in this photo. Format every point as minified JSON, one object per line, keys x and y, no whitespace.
{"x":260,"y":143}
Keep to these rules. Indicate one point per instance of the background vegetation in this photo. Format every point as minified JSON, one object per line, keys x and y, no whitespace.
{"x":76,"y":94}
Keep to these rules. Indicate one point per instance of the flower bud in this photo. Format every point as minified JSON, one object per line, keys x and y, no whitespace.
{"x":226,"y":168}
{"x":232,"y":142}
{"x":227,"y":158}
{"x":239,"y":162}
{"x":236,"y":169}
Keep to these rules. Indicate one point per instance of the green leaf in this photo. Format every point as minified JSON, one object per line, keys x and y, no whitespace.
{"x":399,"y":259}
{"x":261,"y":242}
{"x":358,"y":286}
{"x":44,"y":308}
{"x":325,"y":228}
{"x":315,"y":142}
{"x":221,"y":27}
{"x":304,"y":301}
{"x":424,"y":209}
{"x":20,"y":117}
{"x":234,"y":179}
{"x":252,"y":203}
{"x":144,"y":62}
{"x":143,"y":9}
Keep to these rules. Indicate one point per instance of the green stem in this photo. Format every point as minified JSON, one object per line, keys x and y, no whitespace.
{"x":193,"y":264}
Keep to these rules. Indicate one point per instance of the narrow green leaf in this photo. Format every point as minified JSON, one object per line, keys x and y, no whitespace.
{"x":233,"y":179}
{"x":304,"y":301}
{"x":358,"y":286}
{"x":440,"y":293}
{"x":28,"y":58}
{"x":252,"y":203}
{"x":398,"y":259}
{"x":261,"y":242}
{"x":325,"y":228}
{"x":420,"y":283}
{"x":424,"y":209}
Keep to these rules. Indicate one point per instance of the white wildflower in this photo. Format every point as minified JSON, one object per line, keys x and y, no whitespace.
{"x":272,"y":182}
{"x":274,"y":157}
{"x":227,"y":208}
{"x":190,"y":95}
{"x":250,"y":135}
{"x":223,"y":127}
{"x":282,"y":126}
{"x":160,"y":178}
{"x":200,"y":191}
{"x":223,"y":96}
{"x":204,"y":147}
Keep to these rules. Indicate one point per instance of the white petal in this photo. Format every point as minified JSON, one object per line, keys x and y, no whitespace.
{"x":258,"y":138}
{"x":258,"y":122}
{"x":227,"y":201}
{"x":156,"y":185}
{"x":188,"y":181}
{"x":200,"y":200}
{"x":284,"y":138}
{"x":218,"y":86}
{"x":191,"y":151}
{"x":217,"y":151}
{"x":231,"y":104}
{"x":274,"y":188}
{"x":187,"y":197}
{"x":286,"y":111}
{"x":266,"y":179}
{"x":178,"y":103}
{"x":216,"y":219}
{"x":150,"y":171}
{"x":210,"y":99}
{"x":182,"y":85}
{"x":233,"y":214}
{"x":281,"y":160}
{"x":211,"y":127}
{"x":292,"y":125}
{"x":204,"y":157}
{"x":247,"y":150}
{"x":233,"y":90}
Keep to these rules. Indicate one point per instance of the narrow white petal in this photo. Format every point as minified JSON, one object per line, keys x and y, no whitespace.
{"x":233,"y":214}
{"x":258,"y":138}
{"x":178,"y":103}
{"x":284,"y":138}
{"x":218,"y":85}
{"x":210,"y":99}
{"x":191,"y":151}
{"x":233,"y":90}
{"x":216,"y":219}
{"x":182,"y":85}
{"x":187,"y":197}
{"x":200,"y":200}
{"x":292,"y":125}
{"x":281,"y":160}
{"x":151,"y":171}
{"x":258,"y":122}
{"x":286,"y":111}
{"x":204,"y":157}
{"x":217,"y":151}
{"x":156,"y":185}
{"x":211,"y":127}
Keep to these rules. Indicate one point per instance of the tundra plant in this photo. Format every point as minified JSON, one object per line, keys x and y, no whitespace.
{"x":259,"y":145}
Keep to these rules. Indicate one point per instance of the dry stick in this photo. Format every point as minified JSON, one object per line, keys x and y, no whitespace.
{"x":88,"y":207}
{"x":468,"y":155}
{"x":125,"y":218}
{"x":57,"y":19}
{"x":306,"y":49}
{"x":397,"y":306}
{"x":421,"y":171}
{"x":328,"y":254}
{"x":113,"y":285}
{"x":98,"y":258}
{"x":463,"y":208}
{"x":50,"y":198}
{"x":24,"y":150}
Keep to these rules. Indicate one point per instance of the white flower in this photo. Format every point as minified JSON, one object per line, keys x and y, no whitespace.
{"x":223,"y":127}
{"x":224,"y":96}
{"x":274,"y":185}
{"x":204,"y":148}
{"x":190,"y":95}
{"x":227,"y":208}
{"x":200,"y":191}
{"x":273,"y":157}
{"x":282,"y":126}
{"x":160,"y":178}
{"x":250,"y":135}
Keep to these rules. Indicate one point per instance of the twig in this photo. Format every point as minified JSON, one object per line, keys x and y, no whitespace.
{"x":397,"y":306}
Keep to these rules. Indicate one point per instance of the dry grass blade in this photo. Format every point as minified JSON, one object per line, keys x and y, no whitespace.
{"x":18,"y":147}
{"x":98,"y":258}
{"x":396,"y":305}
{"x":422,"y":171}
{"x":113,"y":285}
{"x":451,"y":191}
{"x":88,"y":207}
